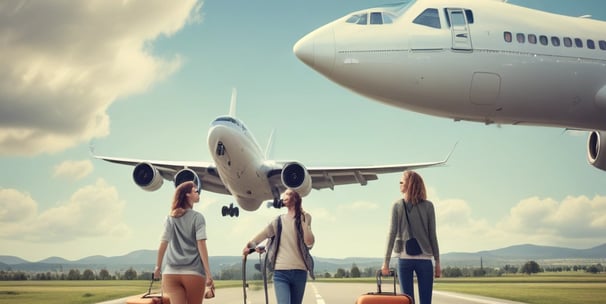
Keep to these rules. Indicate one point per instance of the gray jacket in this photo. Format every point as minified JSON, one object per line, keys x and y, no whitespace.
{"x":422,"y":223}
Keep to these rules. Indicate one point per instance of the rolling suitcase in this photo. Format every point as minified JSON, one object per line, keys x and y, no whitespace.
{"x":148,"y":297}
{"x":381,"y":297}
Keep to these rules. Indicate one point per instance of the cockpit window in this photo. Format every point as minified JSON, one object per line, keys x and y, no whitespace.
{"x":231,"y":120}
{"x":429,"y":17}
{"x":358,"y":19}
{"x":383,"y":15}
{"x":376,"y":18}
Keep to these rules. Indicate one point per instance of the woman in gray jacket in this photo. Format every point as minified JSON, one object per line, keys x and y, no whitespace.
{"x":414,"y":216}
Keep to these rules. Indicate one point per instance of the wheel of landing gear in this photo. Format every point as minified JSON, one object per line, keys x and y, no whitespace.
{"x":224,"y":211}
{"x":237,"y":211}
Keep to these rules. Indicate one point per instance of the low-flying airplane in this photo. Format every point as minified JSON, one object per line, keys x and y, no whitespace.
{"x":241,"y":169}
{"x":485,"y":61}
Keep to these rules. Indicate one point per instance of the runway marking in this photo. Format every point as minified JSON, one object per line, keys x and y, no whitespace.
{"x":477,"y":299}
{"x":319,"y":299}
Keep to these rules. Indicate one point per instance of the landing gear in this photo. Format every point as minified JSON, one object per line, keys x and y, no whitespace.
{"x":277,"y":203}
{"x":230,"y":210}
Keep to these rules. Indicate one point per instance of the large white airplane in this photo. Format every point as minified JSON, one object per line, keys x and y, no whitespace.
{"x":241,"y":169}
{"x":484,"y":61}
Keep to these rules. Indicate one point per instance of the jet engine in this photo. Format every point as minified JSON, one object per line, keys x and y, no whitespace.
{"x":147,"y":177}
{"x":596,"y":149}
{"x":186,"y":175}
{"x":295,"y":176}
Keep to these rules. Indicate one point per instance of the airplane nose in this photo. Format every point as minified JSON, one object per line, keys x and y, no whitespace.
{"x":317,"y":49}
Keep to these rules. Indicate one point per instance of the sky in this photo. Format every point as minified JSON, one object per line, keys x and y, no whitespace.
{"x":144,"y":79}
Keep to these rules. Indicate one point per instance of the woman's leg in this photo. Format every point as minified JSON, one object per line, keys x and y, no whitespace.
{"x":405,"y":274}
{"x":299,"y":279}
{"x":424,"y":271}
{"x":282,"y":286}
{"x":194,"y":288}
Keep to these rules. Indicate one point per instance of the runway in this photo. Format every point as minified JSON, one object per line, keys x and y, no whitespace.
{"x":334,"y":293}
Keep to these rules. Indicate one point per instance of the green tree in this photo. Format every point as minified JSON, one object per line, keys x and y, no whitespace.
{"x":340,"y":273}
{"x":73,"y":274}
{"x":88,"y":275}
{"x":104,"y":275}
{"x":530,"y":267}
{"x":130,"y":274}
{"x":355,"y":271}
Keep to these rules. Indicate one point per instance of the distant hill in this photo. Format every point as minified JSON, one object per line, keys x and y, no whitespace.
{"x":144,"y":260}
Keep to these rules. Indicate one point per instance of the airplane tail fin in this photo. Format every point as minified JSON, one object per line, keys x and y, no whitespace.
{"x":270,"y":145}
{"x":232,"y":104}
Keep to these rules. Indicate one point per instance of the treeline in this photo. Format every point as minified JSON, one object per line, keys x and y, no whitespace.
{"x":528,"y":268}
{"x":235,"y":273}
{"x":73,"y":275}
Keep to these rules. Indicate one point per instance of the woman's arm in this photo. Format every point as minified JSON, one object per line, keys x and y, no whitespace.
{"x":159,"y":258}
{"x":204,"y":256}
{"x":308,"y":235}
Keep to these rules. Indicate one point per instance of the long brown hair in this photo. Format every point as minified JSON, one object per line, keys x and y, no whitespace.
{"x":180,"y":202}
{"x":415,"y":191}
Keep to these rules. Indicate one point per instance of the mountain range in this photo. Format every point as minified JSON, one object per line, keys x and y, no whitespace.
{"x":144,"y":260}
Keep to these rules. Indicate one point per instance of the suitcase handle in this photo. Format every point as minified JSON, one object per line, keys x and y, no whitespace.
{"x":379,"y":280}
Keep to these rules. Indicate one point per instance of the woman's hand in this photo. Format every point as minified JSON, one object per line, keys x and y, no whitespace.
{"x":385,"y":270}
{"x":157,"y":275}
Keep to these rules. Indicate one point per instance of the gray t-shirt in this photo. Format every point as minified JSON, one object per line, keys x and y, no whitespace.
{"x":182,"y":234}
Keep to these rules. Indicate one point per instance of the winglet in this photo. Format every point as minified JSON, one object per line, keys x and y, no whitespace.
{"x":232,"y":104}
{"x":450,"y":153}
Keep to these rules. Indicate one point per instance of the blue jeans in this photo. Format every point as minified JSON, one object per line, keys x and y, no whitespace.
{"x":424,"y":271}
{"x":290,"y":285}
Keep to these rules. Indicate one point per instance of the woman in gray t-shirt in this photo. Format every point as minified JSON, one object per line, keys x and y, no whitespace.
{"x":183,"y":243}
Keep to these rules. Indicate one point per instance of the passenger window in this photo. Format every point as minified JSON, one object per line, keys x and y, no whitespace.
{"x":376,"y":18}
{"x":567,"y":42}
{"x":543,"y":39}
{"x":590,"y":44}
{"x":555,"y":41}
{"x":532,"y":38}
{"x":578,"y":42}
{"x":507,"y":36}
{"x":520,"y":37}
{"x":602,"y":45}
{"x":429,"y":17}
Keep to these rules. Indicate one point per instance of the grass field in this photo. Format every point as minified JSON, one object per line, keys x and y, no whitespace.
{"x":77,"y":292}
{"x":543,"y":288}
{"x":563,"y":288}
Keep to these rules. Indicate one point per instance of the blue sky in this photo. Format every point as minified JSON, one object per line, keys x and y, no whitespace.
{"x":144,"y":79}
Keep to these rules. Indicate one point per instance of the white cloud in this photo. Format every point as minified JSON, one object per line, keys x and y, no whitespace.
{"x":65,"y":62}
{"x":16,"y":206}
{"x":576,"y":222}
{"x":92,"y":211}
{"x":73,"y":170}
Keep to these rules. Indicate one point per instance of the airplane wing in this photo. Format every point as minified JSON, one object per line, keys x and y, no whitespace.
{"x":207,"y":172}
{"x":328,"y":177}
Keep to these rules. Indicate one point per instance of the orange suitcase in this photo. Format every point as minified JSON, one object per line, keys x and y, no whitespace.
{"x":381,"y":297}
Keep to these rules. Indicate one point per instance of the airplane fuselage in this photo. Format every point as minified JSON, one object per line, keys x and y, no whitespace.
{"x":239,"y":161}
{"x":482,"y":61}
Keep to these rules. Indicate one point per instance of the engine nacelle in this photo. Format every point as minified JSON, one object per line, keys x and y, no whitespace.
{"x":596,"y":149}
{"x":295,"y":176}
{"x":147,"y":177}
{"x":186,"y":175}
